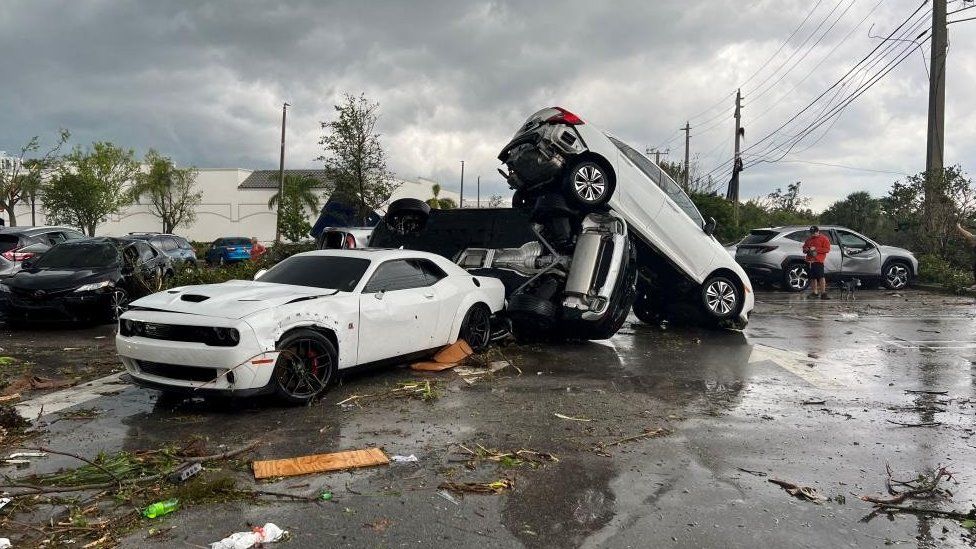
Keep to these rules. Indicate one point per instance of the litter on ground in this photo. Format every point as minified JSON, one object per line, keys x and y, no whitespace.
{"x":495,"y":487}
{"x":448,"y":357}
{"x":319,"y":463}
{"x":269,"y":533}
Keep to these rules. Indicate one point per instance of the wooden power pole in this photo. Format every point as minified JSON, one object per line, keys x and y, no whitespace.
{"x":736,"y":159}
{"x":281,"y":174}
{"x":935,"y":146}
{"x":687,"y":130}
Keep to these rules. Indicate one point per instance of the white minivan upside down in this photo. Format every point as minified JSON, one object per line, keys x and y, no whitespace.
{"x":289,"y":331}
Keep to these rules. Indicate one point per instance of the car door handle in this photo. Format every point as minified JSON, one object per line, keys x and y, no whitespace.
{"x":429,"y":295}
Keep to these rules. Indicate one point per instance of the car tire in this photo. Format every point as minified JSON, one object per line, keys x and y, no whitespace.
{"x":407,"y":215}
{"x":532,"y":305}
{"x":796,"y":277}
{"x":896,"y":275}
{"x":644,"y":308}
{"x":299,"y":375}
{"x":476,"y":327}
{"x":721,"y":298}
{"x":588,"y":184}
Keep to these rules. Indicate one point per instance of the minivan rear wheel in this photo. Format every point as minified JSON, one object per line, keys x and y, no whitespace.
{"x":588,"y":184}
{"x":796,"y":277}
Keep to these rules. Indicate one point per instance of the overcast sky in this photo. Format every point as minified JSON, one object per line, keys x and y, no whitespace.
{"x":203,"y":81}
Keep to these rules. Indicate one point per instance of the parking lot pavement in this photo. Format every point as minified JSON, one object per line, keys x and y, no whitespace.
{"x":807,"y":394}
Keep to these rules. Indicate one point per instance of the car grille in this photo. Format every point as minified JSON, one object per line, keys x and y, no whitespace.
{"x":175,"y":371}
{"x":218,"y":337}
{"x":39,"y":295}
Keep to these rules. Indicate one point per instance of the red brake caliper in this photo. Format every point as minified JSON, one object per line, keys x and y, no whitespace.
{"x":315,"y":362}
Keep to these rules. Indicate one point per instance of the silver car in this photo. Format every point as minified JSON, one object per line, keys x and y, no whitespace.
{"x":20,"y":243}
{"x":776,"y":255}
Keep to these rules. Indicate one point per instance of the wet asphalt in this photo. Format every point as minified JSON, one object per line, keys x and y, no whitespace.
{"x":807,"y":393}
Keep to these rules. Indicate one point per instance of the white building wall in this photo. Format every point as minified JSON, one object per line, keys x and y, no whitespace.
{"x":224,"y":210}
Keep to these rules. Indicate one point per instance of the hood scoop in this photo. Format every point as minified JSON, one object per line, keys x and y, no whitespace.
{"x":194,"y":298}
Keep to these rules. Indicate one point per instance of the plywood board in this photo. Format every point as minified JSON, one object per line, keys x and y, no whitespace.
{"x":319,"y":463}
{"x":431,"y":366}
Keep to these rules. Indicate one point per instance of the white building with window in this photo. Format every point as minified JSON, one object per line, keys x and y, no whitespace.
{"x":234,"y":203}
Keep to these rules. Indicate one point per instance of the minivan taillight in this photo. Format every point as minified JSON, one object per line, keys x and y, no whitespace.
{"x":14,"y":255}
{"x":564,"y":117}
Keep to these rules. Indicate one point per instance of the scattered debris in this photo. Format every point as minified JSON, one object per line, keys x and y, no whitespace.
{"x":496,"y":487}
{"x":570,"y":418}
{"x":647,"y":433}
{"x":423,"y":390}
{"x":404,"y":459}
{"x":471,"y":375}
{"x":753,"y":473}
{"x":37,"y":383}
{"x":924,"y":424}
{"x":8,"y":398}
{"x":919,"y":392}
{"x":378,"y":525}
{"x":448,"y":357}
{"x":448,"y":497}
{"x":16,"y":455}
{"x":5,"y":543}
{"x":802,"y":492}
{"x":269,"y":533}
{"x":79,"y":414}
{"x":161,"y":508}
{"x":184,"y":473}
{"x":4,"y":502}
{"x":923,"y":486}
{"x":813,"y":402}
{"x":509,"y":459}
{"x":319,"y":463}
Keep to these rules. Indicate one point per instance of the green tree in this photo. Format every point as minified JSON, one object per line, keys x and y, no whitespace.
{"x":300,"y":197}
{"x":354,"y":158}
{"x":91,"y":185}
{"x":859,"y":211}
{"x":439,"y":203}
{"x":168,"y":190}
{"x":21,"y":179}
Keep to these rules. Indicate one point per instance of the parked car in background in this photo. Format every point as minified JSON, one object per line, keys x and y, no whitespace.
{"x":20,"y":243}
{"x":228,"y":249}
{"x":290,"y":330}
{"x":775,"y":255}
{"x":85,"y":279}
{"x":177,"y":248}
{"x":343,"y":238}
{"x":556,"y":153}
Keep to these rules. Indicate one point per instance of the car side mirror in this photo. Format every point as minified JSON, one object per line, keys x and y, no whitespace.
{"x":710,"y":226}
{"x":378,"y":295}
{"x":260,"y":273}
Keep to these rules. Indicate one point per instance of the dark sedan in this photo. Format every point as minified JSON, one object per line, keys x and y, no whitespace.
{"x":91,"y":279}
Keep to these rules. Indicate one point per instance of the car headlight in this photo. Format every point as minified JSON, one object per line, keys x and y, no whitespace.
{"x":223,"y":337}
{"x":94,"y":286}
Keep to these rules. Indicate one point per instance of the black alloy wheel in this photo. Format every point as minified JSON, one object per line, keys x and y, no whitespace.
{"x":476,"y":327}
{"x":306,"y":365}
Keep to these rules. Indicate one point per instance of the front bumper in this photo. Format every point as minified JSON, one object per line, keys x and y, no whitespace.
{"x":193,"y":367}
{"x":61,"y":307}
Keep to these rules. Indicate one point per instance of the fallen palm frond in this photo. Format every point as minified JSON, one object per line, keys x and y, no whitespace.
{"x":422,"y":390}
{"x":509,"y":459}
{"x":495,"y":487}
{"x":802,"y":492}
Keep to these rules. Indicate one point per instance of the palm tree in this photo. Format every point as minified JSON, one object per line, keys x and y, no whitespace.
{"x":301,"y":189}
{"x":440,"y":203}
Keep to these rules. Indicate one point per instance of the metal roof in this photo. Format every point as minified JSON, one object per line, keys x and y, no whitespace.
{"x":268,"y":179}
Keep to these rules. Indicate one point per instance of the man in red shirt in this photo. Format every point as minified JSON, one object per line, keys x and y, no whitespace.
{"x":257,"y":249}
{"x":816,"y":249}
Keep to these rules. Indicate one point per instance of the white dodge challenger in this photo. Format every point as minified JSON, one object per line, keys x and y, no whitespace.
{"x":291,"y":329}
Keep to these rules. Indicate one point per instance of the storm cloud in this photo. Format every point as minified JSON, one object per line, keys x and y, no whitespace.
{"x":203,"y":82}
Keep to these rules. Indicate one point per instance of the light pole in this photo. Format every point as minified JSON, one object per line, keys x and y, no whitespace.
{"x":281,"y":174}
{"x":461,"y":205}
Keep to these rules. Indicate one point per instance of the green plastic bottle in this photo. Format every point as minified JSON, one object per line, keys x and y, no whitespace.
{"x":161,"y":508}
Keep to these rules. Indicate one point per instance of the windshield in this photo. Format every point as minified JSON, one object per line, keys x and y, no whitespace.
{"x":661,"y":179}
{"x":758,"y":237}
{"x":318,"y":271}
{"x":79,"y":255}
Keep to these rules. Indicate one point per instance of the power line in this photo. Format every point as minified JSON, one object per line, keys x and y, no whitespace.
{"x":798,"y":161}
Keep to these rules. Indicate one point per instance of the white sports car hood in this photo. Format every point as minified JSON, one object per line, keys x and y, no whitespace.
{"x":233,"y":299}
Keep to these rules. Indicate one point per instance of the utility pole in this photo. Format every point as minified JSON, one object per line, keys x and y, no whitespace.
{"x":736,"y":159}
{"x":934,"y":163}
{"x":657,"y":153}
{"x":281,"y":174}
{"x":687,"y":130}
{"x":461,"y":205}
{"x":479,"y":191}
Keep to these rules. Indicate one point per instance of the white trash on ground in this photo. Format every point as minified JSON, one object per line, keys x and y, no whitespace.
{"x":404,"y":459}
{"x":5,"y":543}
{"x":269,"y":533}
